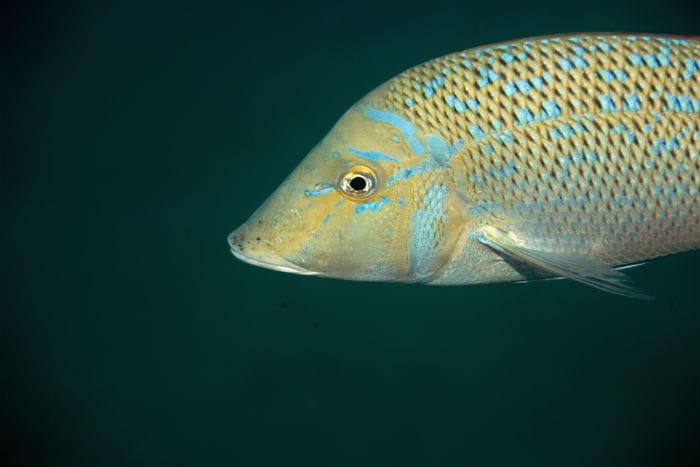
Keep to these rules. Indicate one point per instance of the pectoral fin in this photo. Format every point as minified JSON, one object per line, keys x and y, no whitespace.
{"x":589,"y":271}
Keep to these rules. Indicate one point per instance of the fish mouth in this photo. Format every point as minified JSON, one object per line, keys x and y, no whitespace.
{"x":263,"y":259}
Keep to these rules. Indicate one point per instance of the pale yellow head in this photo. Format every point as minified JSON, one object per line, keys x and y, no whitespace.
{"x":335,"y":215}
{"x":346,"y":210}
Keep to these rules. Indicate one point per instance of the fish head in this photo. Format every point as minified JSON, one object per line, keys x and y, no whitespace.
{"x":346,"y":210}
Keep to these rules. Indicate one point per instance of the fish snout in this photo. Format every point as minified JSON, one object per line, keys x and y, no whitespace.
{"x":256,"y":251}
{"x":236,"y":239}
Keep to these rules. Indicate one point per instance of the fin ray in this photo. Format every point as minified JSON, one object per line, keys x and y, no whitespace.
{"x":588,"y":271}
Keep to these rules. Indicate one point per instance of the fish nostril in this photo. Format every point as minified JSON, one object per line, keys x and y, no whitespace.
{"x":236,"y":239}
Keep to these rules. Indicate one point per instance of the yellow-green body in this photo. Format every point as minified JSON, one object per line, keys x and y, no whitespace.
{"x":549,"y":156}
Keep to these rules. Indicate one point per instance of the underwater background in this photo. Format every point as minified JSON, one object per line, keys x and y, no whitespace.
{"x":136,"y":135}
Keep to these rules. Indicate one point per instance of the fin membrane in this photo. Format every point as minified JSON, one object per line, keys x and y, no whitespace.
{"x":578,"y":268}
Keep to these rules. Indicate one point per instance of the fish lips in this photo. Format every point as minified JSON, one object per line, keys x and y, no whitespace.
{"x":262,"y":258}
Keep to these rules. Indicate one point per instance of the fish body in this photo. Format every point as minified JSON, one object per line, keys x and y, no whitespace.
{"x":558,"y":156}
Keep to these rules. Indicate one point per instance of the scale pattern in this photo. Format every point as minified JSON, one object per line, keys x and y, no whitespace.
{"x":591,"y":142}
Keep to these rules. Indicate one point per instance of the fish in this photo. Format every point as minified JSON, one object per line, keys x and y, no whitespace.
{"x":570,"y":156}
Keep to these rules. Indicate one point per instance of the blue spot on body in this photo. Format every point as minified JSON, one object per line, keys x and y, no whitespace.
{"x":606,"y":75}
{"x":486,"y":149}
{"x":474,"y":178}
{"x":554,"y":133}
{"x":551,"y":108}
{"x":325,"y":218}
{"x":672,"y":102}
{"x":536,"y":82}
{"x":408,"y":101}
{"x":523,"y":86}
{"x":662,"y":56}
{"x":603,"y":46}
{"x":427,"y":92}
{"x":685,"y":104}
{"x":505,"y":137}
{"x":476,"y":131}
{"x":631,"y":102}
{"x":395,"y":138}
{"x":450,"y":100}
{"x":566,"y":130}
{"x":672,"y":143}
{"x":472,"y":103}
{"x":507,"y":57}
{"x":483,"y":76}
{"x":466,"y":63}
{"x":547,"y":77}
{"x":565,"y":161}
{"x":617,"y":128}
{"x":690,"y":67}
{"x":650,"y":60}
{"x":339,"y":202}
{"x":591,"y":156}
{"x":629,"y":136}
{"x":635,"y":59}
{"x":579,"y":62}
{"x":565,"y":64}
{"x":620,"y":75}
{"x":523,"y":115}
{"x":459,"y":106}
{"x":522,"y":55}
{"x":606,"y":103}
{"x":372,"y":155}
{"x":509,"y":88}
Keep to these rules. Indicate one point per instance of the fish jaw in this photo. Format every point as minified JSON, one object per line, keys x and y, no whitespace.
{"x":262,"y":257}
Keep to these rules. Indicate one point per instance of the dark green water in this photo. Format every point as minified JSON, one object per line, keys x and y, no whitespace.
{"x":136,"y":136}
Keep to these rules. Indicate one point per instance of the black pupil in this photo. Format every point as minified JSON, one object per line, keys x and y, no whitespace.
{"x":358,"y":183}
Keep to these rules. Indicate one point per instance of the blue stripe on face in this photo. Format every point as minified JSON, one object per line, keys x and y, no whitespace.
{"x":372,"y":155}
{"x":405,"y":128}
{"x":318,"y":191}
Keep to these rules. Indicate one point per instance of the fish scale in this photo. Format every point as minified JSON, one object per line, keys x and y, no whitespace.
{"x":550,"y":156}
{"x":568,"y":119}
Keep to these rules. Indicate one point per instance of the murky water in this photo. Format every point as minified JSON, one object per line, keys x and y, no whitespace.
{"x":139,"y":136}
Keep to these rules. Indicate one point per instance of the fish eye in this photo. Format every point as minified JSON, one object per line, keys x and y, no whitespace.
{"x":357,"y":183}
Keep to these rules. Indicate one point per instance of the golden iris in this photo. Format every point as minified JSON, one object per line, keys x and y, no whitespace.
{"x":358,"y":183}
